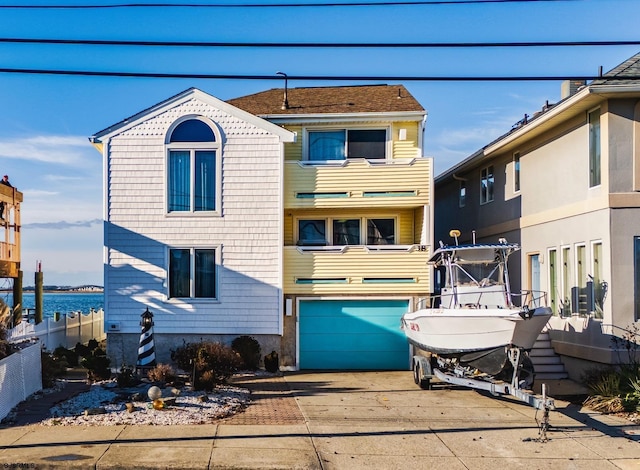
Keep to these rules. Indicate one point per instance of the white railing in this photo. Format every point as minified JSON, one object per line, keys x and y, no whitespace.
{"x":20,"y":377}
{"x":68,"y":331}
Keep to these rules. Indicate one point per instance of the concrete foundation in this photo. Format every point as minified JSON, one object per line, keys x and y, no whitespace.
{"x":122,"y":348}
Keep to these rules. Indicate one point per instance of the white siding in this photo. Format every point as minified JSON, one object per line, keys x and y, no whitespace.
{"x":248,"y":233}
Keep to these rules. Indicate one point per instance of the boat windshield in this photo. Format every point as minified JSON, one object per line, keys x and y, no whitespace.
{"x":481,"y":274}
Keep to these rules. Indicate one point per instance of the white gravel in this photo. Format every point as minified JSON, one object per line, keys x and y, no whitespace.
{"x":191,"y":407}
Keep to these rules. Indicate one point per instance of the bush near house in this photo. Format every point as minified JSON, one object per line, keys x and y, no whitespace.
{"x":208,"y":363}
{"x":6,"y":348}
{"x":617,"y":389}
{"x":249,"y":350}
{"x":53,"y":367}
{"x":162,"y":373}
{"x":95,"y":360}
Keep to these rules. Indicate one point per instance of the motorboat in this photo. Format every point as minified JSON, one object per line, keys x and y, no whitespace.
{"x":474,"y":323}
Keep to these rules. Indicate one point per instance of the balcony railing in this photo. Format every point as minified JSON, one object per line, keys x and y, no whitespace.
{"x":358,"y":183}
{"x":356,"y":270}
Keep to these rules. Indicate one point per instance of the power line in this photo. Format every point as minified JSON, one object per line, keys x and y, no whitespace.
{"x":195,"y":76}
{"x":317,"y":45}
{"x":271,"y":5}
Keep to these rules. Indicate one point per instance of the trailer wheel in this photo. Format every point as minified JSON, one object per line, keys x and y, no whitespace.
{"x":419,"y":379}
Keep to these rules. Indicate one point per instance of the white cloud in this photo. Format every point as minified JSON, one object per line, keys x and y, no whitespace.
{"x":65,"y":150}
{"x":35,"y":193}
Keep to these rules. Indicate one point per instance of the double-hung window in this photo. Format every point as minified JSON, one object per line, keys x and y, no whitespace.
{"x":192,"y":273}
{"x":339,"y":144}
{"x":486,"y":185}
{"x":193,"y":167}
{"x":594,"y":148}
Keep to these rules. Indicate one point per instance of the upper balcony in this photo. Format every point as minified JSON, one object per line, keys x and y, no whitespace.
{"x":357,"y":269}
{"x":358,"y":183}
{"x":10,"y":232}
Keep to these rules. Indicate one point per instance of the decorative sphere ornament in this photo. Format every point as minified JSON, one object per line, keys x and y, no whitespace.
{"x":154,"y":393}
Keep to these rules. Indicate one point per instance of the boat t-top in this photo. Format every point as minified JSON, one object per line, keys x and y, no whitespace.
{"x":475,"y":325}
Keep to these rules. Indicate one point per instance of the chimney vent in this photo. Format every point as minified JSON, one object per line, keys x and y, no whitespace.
{"x":570,"y":88}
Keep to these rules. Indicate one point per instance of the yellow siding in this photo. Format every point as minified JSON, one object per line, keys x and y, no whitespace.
{"x":293,"y":150}
{"x":418,"y":223}
{"x":355,"y":178}
{"x":405,"y":232}
{"x":406,"y":235}
{"x":288,"y":229}
{"x":407,"y":148}
{"x":354,"y":264}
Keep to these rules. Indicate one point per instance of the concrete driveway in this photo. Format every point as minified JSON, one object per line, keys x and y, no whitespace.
{"x":342,"y":420}
{"x":383,"y":420}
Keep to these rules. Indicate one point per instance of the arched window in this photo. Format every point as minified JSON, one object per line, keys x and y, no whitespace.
{"x":193,"y":130}
{"x":193,"y":167}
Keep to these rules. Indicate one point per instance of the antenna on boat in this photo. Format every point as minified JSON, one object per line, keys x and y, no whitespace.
{"x":455,"y":234}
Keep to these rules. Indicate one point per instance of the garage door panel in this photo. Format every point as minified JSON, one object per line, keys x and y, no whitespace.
{"x":354,"y":361}
{"x":371,"y":343}
{"x":352,"y":334}
{"x":353,"y":326}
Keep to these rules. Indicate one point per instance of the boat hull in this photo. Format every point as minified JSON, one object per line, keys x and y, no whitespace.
{"x":456,"y":332}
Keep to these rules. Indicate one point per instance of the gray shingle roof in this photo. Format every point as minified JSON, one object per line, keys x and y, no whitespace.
{"x":628,"y":68}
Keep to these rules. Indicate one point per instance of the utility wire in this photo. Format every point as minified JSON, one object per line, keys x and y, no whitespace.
{"x":271,"y":5}
{"x":496,"y":78}
{"x":316,"y":45}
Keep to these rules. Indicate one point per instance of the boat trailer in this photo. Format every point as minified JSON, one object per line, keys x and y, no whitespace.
{"x":425,"y":368}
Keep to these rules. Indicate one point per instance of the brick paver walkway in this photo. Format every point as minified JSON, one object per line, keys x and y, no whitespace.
{"x":271,"y":402}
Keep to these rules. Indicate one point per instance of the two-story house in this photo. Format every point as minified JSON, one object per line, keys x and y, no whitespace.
{"x":565,"y":183}
{"x":193,"y":225}
{"x":300,"y":217}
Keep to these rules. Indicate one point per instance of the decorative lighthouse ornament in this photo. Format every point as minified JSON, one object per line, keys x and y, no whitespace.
{"x":146,"y":349}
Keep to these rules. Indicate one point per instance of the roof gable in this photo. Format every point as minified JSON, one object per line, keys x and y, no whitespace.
{"x":330,"y":100}
{"x":191,"y":93}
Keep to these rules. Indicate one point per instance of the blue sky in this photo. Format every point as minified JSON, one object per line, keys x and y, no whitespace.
{"x":45,"y":120}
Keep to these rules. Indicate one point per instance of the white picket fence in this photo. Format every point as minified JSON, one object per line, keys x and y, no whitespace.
{"x":68,"y":331}
{"x":20,"y":377}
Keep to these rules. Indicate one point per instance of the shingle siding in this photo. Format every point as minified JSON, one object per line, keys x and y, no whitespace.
{"x":247,"y":233}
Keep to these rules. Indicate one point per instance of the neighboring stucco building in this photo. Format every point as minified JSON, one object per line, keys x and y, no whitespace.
{"x":313,"y":240}
{"x":566,"y":185}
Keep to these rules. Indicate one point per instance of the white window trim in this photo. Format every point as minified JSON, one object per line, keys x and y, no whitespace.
{"x":553,"y":295}
{"x":329,"y":231}
{"x":193,"y":300}
{"x":193,"y":146}
{"x":593,"y":243}
{"x":563,"y":289}
{"x":585,"y":262}
{"x":386,"y":128}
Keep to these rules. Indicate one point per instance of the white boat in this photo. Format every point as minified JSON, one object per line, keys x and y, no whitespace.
{"x":475,"y":322}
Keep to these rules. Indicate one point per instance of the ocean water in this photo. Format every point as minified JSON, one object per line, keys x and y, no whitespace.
{"x":62,"y":302}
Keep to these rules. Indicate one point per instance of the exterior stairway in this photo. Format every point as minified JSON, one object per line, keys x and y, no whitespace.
{"x":547,"y":364}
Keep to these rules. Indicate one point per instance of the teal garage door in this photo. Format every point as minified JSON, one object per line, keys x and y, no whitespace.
{"x":352,"y":335}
